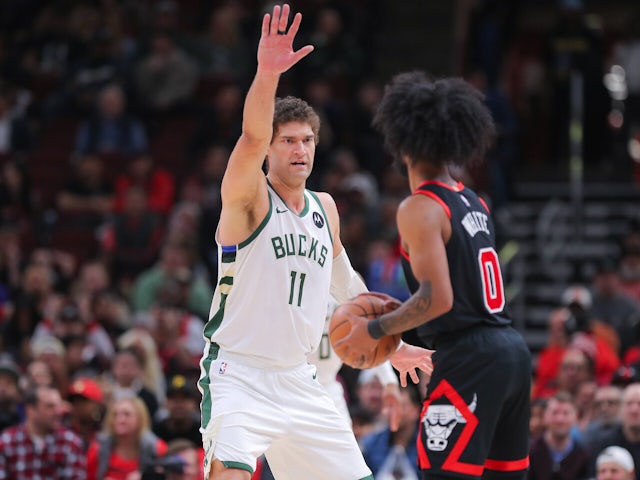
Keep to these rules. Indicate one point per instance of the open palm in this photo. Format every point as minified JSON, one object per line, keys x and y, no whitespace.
{"x":275,"y":50}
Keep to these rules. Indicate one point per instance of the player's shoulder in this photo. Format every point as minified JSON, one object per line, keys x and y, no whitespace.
{"x":326,"y":200}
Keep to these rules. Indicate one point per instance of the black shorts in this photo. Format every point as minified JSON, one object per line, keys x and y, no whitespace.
{"x":475,"y":419}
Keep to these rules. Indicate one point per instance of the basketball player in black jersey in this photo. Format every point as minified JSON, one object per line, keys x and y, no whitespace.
{"x":475,"y":418}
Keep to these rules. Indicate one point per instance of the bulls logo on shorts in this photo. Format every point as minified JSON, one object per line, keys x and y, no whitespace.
{"x":318,"y":220}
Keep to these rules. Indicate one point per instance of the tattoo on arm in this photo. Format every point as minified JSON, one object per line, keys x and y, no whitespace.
{"x":413,"y":313}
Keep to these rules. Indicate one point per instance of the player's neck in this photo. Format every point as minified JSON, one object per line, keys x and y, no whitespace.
{"x":428,"y":173}
{"x":291,"y":194}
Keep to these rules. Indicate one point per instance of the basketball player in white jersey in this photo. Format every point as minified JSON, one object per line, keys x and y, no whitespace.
{"x":280,"y":255}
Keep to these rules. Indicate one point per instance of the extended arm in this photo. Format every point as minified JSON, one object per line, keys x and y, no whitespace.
{"x":244,"y":190}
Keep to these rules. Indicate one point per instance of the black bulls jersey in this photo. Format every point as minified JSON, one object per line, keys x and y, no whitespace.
{"x":478,"y":290}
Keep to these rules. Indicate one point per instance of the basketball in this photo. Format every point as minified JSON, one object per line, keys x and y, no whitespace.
{"x":371,"y":306}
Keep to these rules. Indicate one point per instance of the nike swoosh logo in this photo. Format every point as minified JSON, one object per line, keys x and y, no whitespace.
{"x":281,"y":211}
{"x":315,"y":375}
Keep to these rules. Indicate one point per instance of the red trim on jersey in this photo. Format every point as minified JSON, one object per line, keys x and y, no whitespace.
{"x":507,"y":465}
{"x":457,"y":188}
{"x":484,"y":204}
{"x":452,"y":463}
{"x":403,"y":252}
{"x":437,"y":199}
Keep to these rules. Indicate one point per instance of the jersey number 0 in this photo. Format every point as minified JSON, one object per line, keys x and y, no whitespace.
{"x":492,"y":287}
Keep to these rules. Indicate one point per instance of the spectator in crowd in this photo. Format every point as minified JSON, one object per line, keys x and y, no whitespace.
{"x":17,"y":197}
{"x":156,"y":181}
{"x":87,"y":409}
{"x":127,"y":445}
{"x":613,"y":307}
{"x":131,"y":240}
{"x":10,"y":399}
{"x":181,"y":410}
{"x":127,"y":370}
{"x":111,"y":129}
{"x":615,"y":463}
{"x":178,"y":335}
{"x":41,"y":447}
{"x":369,"y":395}
{"x":140,"y":339}
{"x":111,"y":312}
{"x":166,"y":78}
{"x":174,"y":258}
{"x":187,"y":456}
{"x":574,"y":370}
{"x":584,"y":402}
{"x":52,"y":351}
{"x":88,"y":194}
{"x":223,"y":50}
{"x":394,"y":453}
{"x":627,"y":434}
{"x":536,"y":420}
{"x":37,"y":374}
{"x":11,"y":265}
{"x":606,"y":414}
{"x":555,"y":454}
{"x":17,"y":136}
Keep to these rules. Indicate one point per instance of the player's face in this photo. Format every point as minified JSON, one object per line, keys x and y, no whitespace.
{"x":292,"y":151}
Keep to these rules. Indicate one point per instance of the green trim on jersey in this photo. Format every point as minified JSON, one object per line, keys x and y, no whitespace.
{"x":368,"y":477}
{"x":205,"y":382}
{"x":326,"y":220}
{"x":304,"y":211}
{"x":214,"y":323}
{"x":260,"y":227}
{"x":240,"y":466}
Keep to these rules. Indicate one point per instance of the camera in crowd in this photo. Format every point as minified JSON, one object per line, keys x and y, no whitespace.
{"x":163,"y":468}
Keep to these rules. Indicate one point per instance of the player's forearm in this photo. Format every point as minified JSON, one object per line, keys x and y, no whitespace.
{"x":257,"y":120}
{"x":420,"y":308}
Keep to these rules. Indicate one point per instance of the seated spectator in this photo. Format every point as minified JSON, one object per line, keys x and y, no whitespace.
{"x":166,"y":78}
{"x":174,"y":258}
{"x":17,"y":197}
{"x":556,"y":454}
{"x":37,"y":373}
{"x":606,"y":414}
{"x":140,"y":339}
{"x":127,"y":370}
{"x":10,"y":399}
{"x":178,"y":334}
{"x":394,"y":453}
{"x":111,"y":129}
{"x":183,"y":461}
{"x":131,"y":240}
{"x":615,"y":463}
{"x":181,"y":410}
{"x":87,"y":409}
{"x":88,"y":195}
{"x":52,"y":351}
{"x":41,"y":447}
{"x":157,"y":182}
{"x":127,"y":446}
{"x":536,"y":420}
{"x":627,"y":434}
{"x":575,"y":369}
{"x":614,"y":307}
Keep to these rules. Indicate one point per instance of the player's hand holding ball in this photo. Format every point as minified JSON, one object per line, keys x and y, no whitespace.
{"x":348,"y":332}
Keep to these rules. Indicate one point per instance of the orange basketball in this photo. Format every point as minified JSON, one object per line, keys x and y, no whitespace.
{"x":370,"y":306}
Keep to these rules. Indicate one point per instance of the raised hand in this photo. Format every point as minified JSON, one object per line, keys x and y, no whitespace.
{"x":275,"y":50}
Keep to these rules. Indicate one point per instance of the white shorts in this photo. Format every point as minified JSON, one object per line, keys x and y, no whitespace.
{"x":285,"y":414}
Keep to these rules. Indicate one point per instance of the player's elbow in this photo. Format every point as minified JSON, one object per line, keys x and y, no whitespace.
{"x":442,"y":302}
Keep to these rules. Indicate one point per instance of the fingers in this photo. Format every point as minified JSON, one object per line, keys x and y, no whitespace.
{"x":265,"y":24}
{"x":275,"y":20}
{"x":293,"y":29}
{"x":284,"y":19}
{"x":303,"y":52}
{"x":403,"y":381}
{"x":414,"y":376}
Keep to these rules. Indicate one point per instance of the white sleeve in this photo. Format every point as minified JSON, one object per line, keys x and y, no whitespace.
{"x":385,"y":373}
{"x":345,"y":281}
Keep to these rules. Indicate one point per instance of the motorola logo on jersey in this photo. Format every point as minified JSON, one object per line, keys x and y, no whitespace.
{"x":318,"y":220}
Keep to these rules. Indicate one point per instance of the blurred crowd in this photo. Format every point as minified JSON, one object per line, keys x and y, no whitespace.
{"x":117,"y":118}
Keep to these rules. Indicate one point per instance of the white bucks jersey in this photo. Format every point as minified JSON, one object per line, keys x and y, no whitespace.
{"x":271,"y":299}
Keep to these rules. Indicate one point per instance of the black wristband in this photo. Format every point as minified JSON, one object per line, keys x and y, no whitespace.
{"x":374,"y":327}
